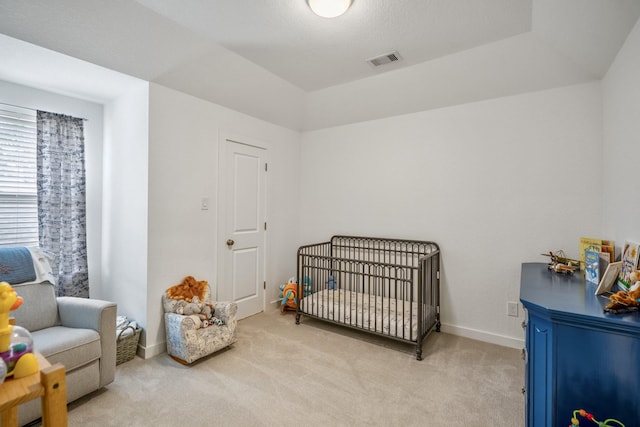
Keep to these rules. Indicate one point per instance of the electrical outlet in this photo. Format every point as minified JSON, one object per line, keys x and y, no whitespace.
{"x":512,"y":309}
{"x":204,"y":203}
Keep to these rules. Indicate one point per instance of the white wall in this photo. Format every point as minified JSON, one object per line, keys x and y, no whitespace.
{"x":621,"y":100}
{"x":125,"y":195}
{"x":461,"y":78}
{"x":184,"y":135}
{"x":28,"y":97}
{"x":495,"y":183}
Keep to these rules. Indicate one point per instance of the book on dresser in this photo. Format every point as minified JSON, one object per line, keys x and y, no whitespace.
{"x":596,"y":265}
{"x":589,"y":244}
{"x":591,"y":265}
{"x":630,"y":257}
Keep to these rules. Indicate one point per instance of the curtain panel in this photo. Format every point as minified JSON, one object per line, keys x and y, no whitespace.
{"x":62,"y":200}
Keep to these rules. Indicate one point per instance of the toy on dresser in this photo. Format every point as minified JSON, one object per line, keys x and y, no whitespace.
{"x":16,"y":344}
{"x":561,"y":264}
{"x":624,"y":301}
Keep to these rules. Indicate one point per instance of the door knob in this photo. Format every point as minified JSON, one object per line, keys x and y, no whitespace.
{"x":230,"y":242}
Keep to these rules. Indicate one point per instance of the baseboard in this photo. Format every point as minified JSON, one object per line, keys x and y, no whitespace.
{"x":475,"y":334}
{"x":483,"y":336}
{"x":154,"y":350}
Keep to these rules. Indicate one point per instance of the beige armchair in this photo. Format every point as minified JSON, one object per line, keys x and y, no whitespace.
{"x":79,"y":333}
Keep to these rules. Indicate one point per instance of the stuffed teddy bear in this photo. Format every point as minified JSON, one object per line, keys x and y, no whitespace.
{"x":173,"y":305}
{"x":190,"y":308}
{"x":201,"y":313}
{"x":207,"y":311}
{"x":188,"y":288}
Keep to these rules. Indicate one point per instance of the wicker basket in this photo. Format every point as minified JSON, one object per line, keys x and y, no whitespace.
{"x":127,"y":346}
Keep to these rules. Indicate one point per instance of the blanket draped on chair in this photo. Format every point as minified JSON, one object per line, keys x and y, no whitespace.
{"x":16,"y":265}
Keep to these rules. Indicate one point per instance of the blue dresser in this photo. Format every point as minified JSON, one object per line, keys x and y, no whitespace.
{"x":577,"y":356}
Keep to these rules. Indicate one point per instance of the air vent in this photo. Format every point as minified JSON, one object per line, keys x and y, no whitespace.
{"x":387,"y":58}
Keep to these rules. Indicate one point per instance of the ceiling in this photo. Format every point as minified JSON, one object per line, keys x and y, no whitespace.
{"x":184,"y":44}
{"x":312,"y":53}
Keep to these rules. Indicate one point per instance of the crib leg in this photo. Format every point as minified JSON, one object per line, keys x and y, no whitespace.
{"x":297,"y":319}
{"x":438,"y":326}
{"x":418,"y":354}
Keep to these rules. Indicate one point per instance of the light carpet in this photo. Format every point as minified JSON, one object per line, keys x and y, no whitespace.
{"x":315,"y":374}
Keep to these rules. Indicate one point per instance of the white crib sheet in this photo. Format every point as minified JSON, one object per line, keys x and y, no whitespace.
{"x":397,"y":318}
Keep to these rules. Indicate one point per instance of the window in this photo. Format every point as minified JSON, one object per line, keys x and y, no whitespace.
{"x":18,"y":193}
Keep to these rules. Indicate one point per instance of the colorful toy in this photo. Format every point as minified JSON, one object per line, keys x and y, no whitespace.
{"x":16,"y":344}
{"x":590,"y":417}
{"x":289,"y":295}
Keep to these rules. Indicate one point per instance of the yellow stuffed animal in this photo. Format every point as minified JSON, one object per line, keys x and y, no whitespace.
{"x":17,"y":356}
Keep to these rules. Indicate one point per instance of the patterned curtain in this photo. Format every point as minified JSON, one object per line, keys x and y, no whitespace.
{"x":61,"y":200}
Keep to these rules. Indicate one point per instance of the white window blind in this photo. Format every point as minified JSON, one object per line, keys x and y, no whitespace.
{"x":18,"y":194}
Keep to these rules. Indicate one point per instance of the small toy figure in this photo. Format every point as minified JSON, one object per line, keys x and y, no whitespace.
{"x":561,"y":264}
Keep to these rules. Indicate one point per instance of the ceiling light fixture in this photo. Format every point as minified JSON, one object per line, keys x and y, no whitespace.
{"x":329,"y":8}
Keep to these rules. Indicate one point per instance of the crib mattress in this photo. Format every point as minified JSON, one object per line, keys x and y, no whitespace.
{"x":393,"y":317}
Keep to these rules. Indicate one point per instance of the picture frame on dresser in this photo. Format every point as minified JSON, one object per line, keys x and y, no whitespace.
{"x":609,"y":277}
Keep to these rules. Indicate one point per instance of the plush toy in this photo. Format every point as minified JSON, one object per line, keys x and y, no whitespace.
{"x":625,"y":300}
{"x":189,"y":308}
{"x":331,"y":283}
{"x":189,"y":288}
{"x":306,"y":286}
{"x":207,"y":311}
{"x":289,"y":295}
{"x":201,"y":313}
{"x":634,"y":277}
{"x":16,"y":344}
{"x":173,"y":305}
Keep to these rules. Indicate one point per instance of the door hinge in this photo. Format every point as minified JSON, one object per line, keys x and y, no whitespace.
{"x":266,"y":167}
{"x":265,"y":226}
{"x":264,"y":285}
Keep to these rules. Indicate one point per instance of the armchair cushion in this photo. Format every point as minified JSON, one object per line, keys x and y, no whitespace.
{"x":73,"y":347}
{"x":40,"y":310}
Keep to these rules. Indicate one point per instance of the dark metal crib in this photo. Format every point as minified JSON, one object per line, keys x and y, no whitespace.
{"x":387,"y":287}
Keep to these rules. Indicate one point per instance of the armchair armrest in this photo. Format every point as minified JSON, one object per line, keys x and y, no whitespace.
{"x":226,"y":311}
{"x":100,"y":316}
{"x":180,"y":322}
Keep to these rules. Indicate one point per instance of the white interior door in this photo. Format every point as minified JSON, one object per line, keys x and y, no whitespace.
{"x":242,"y":226}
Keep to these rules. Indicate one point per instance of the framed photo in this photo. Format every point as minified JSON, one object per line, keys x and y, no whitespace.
{"x":609,"y":277}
